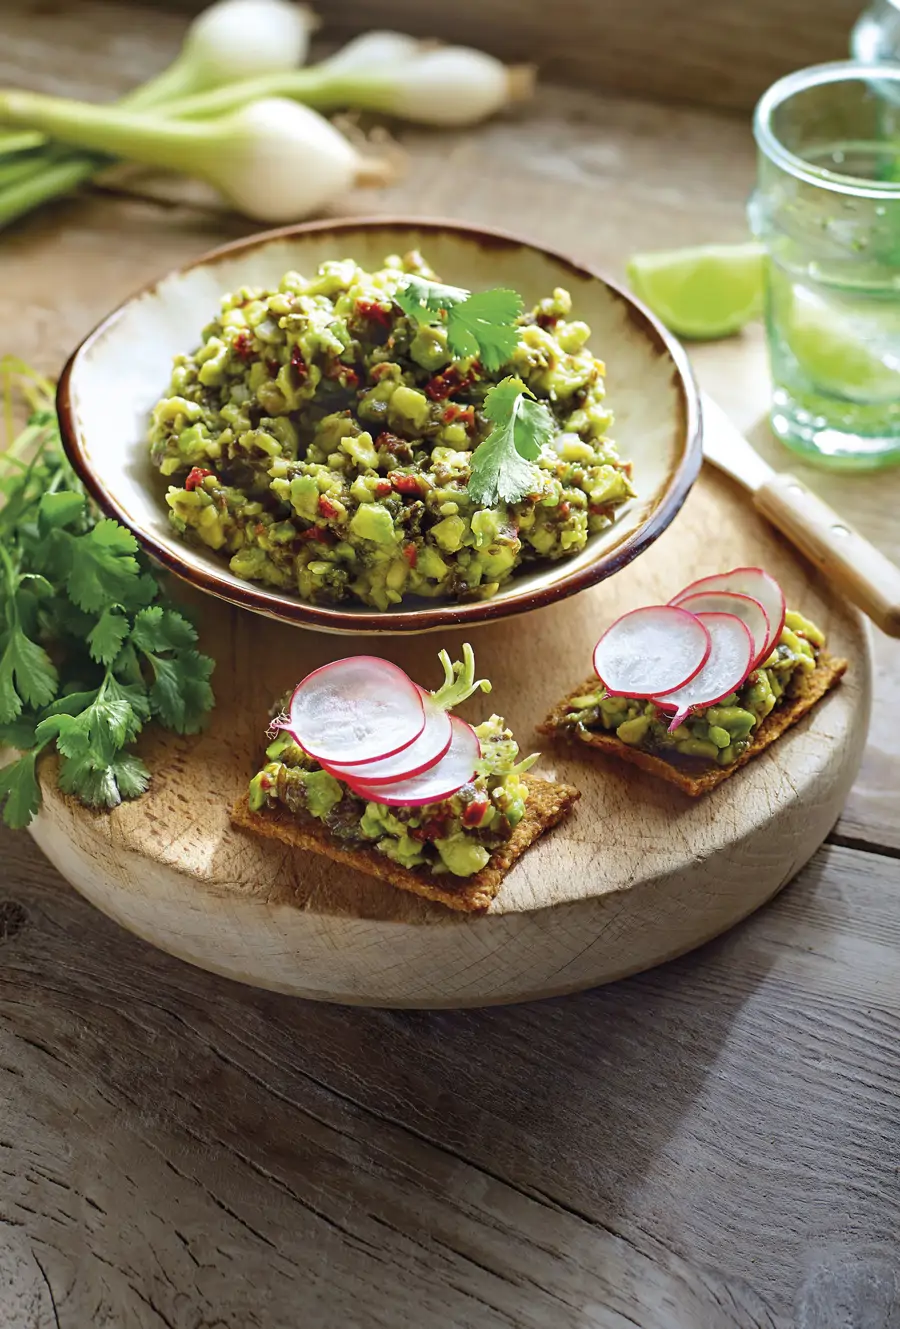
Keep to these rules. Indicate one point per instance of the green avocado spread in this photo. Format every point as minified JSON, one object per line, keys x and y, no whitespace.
{"x":320,"y":440}
{"x":719,"y":733}
{"x":457,"y":836}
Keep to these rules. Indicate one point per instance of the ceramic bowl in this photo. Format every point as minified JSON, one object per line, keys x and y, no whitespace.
{"x":122,"y":368}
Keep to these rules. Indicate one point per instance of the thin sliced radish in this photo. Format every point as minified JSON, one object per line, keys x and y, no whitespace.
{"x":725,"y":670}
{"x":356,"y":710}
{"x":747,"y":581}
{"x":455,"y":769}
{"x":651,"y":651}
{"x":744,"y":607}
{"x":423,"y":753}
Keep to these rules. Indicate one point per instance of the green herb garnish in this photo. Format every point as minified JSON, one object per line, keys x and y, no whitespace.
{"x":503,"y":468}
{"x":89,"y":650}
{"x":480,"y":323}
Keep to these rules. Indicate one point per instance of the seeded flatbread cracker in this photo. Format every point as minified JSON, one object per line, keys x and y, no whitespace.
{"x":689,"y":774}
{"x":546,"y":805}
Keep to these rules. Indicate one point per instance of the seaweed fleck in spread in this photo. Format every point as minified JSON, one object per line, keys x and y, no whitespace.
{"x":369,"y":436}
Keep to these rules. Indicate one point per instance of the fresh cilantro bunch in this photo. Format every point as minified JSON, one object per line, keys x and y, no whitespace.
{"x":481,"y":323}
{"x":502,"y":469}
{"x":89,"y":650}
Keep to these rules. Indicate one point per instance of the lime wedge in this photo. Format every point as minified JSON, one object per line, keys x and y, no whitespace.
{"x":851,"y":352}
{"x":705,"y":292}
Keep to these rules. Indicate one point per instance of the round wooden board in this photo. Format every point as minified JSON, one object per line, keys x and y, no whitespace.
{"x":639,"y":873}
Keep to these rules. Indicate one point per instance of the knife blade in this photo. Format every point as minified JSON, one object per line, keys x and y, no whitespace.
{"x":725,"y":446}
{"x":859,"y":570}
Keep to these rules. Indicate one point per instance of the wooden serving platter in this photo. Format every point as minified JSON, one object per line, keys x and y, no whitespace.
{"x":639,"y":874}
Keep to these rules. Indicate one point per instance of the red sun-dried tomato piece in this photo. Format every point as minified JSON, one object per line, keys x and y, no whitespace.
{"x":375,"y":312}
{"x":327,"y":508}
{"x":405,"y":484}
{"x":243,"y":346}
{"x":196,"y":477}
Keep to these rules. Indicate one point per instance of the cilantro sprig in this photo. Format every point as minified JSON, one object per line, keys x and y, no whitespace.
{"x":90,"y":652}
{"x":479,"y":323}
{"x":502,"y":469}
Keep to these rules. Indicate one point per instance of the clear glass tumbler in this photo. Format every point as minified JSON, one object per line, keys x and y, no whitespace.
{"x":827,"y":209}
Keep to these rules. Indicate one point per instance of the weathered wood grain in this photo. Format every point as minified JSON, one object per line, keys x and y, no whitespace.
{"x":712,"y":1144}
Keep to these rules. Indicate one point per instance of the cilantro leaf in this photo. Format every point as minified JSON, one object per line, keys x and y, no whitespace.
{"x":60,"y":509}
{"x":480,"y":323}
{"x":27,"y":675}
{"x":106,"y":638}
{"x":134,"y":694}
{"x":104,"y":570}
{"x":180,"y":695}
{"x":158,"y":629}
{"x":18,"y":734}
{"x":75,"y":582}
{"x":20,"y":793}
{"x":97,"y":732}
{"x":501,"y":468}
{"x":485,"y":325}
{"x":103,"y":784}
{"x":421,"y":299}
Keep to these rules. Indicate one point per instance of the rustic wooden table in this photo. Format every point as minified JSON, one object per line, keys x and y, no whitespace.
{"x":712,"y":1144}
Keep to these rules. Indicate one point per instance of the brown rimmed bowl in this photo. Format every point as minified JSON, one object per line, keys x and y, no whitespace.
{"x":122,"y":368}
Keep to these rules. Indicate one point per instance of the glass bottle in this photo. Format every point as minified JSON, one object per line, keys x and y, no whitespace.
{"x":876,"y":34}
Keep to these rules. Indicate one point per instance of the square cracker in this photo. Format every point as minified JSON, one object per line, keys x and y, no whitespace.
{"x":688,"y":774}
{"x":546,"y":805}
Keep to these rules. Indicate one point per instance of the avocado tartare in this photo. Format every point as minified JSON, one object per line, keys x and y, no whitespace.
{"x":719,"y":734}
{"x":321,"y":440}
{"x":457,"y":835}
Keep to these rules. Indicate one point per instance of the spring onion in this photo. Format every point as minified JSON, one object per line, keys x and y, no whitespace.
{"x":274,"y":159}
{"x":421,"y":82}
{"x":232,"y":39}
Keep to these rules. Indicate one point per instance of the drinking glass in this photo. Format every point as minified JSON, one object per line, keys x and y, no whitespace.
{"x":827,"y":209}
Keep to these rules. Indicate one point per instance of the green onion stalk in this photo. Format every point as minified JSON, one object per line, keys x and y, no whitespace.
{"x":273,"y":160}
{"x":222,"y":44}
{"x":379,"y":71}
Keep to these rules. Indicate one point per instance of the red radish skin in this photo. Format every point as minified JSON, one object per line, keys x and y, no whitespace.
{"x":755,"y":582}
{"x":651,"y":651}
{"x":456,"y":768}
{"x":726,"y":669}
{"x":426,"y":751}
{"x":744,"y":607}
{"x":356,"y":710}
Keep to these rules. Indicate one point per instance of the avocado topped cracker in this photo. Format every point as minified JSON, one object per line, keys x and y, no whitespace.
{"x":760,"y":668}
{"x":400,"y":787}
{"x":371,"y":436}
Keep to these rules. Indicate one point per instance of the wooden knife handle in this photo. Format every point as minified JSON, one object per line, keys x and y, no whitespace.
{"x":854,"y":566}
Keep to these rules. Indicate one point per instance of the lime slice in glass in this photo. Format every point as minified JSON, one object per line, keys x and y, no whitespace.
{"x":705,"y":292}
{"x":846,"y":349}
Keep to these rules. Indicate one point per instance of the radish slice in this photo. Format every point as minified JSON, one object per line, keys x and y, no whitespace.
{"x":744,"y":607}
{"x":455,"y":769}
{"x":423,"y":753}
{"x":725,"y":670}
{"x":356,"y":710}
{"x":747,"y":581}
{"x":651,"y":651}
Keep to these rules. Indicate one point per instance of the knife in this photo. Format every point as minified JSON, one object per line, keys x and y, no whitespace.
{"x":867,"y":578}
